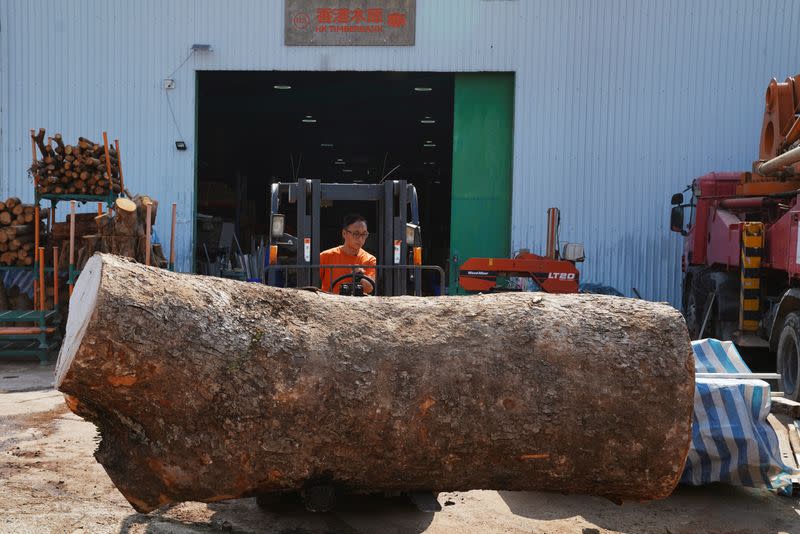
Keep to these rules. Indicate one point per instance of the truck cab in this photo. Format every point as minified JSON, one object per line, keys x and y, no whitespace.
{"x":710,"y":268}
{"x":741,"y":269}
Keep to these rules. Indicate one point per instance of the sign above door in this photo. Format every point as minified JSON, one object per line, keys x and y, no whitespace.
{"x":350,"y":22}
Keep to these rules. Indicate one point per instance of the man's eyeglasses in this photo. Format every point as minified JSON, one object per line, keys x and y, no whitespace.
{"x":358,"y":235}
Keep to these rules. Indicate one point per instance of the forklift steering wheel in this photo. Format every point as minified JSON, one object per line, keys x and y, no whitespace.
{"x":356,"y":277}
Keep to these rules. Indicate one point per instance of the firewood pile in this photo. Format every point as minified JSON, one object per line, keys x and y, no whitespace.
{"x":78,"y":169}
{"x":16,"y":232}
{"x":73,"y":171}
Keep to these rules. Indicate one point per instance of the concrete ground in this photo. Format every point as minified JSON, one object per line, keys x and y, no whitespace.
{"x":50,"y":482}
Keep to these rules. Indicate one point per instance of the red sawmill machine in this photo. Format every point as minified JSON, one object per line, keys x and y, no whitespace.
{"x":741,"y":258}
{"x":555,"y":272}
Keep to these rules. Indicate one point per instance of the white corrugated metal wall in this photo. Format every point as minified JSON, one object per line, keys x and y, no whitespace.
{"x":618,"y":103}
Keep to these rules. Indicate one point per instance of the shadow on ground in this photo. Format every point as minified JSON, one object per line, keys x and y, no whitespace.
{"x":353,"y":514}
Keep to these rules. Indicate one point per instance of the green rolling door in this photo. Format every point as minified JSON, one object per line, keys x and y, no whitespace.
{"x":483,"y":133}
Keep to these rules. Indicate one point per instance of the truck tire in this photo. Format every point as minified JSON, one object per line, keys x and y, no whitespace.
{"x":691,"y":313}
{"x":789,"y":356}
{"x":723,"y":317}
{"x":695,"y":307}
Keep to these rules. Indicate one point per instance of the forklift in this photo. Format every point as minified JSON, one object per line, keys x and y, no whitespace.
{"x":294,"y":261}
{"x":295,"y":258}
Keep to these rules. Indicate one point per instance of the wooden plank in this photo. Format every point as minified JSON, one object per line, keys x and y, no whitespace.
{"x":787,"y":456}
{"x":793,"y":434}
{"x":794,"y":440}
{"x":785,"y":406}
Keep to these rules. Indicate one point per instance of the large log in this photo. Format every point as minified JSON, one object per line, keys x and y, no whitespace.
{"x":206,"y":389}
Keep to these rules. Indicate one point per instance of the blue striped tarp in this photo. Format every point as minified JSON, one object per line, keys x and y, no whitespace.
{"x":713,"y":356}
{"x":731,"y":439}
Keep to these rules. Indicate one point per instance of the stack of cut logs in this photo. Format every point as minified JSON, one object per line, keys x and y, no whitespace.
{"x":78,"y":169}
{"x":121,"y":231}
{"x":85,"y":168}
{"x":16,"y":232}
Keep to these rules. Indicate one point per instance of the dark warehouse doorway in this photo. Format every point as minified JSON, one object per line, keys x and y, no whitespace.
{"x":258,"y":128}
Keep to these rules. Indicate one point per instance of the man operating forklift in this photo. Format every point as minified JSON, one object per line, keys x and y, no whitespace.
{"x":354,"y":234}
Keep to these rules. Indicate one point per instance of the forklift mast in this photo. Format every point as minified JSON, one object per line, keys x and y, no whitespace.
{"x":393,"y":198}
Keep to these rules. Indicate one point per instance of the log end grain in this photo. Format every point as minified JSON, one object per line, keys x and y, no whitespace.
{"x":125,"y":204}
{"x":81,"y":307}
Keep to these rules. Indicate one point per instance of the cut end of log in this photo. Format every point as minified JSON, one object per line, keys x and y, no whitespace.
{"x":81,"y":307}
{"x":125,"y":204}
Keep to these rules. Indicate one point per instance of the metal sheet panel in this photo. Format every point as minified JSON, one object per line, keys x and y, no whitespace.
{"x":618,"y":104}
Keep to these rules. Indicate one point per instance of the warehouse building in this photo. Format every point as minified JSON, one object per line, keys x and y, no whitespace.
{"x":494,"y":110}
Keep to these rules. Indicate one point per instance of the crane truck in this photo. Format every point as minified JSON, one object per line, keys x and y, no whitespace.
{"x":741,"y":254}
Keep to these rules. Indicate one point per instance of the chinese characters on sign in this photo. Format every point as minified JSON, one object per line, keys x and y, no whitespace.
{"x":350,"y":22}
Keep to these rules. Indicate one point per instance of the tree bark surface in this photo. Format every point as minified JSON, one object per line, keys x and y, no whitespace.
{"x":207,"y":389}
